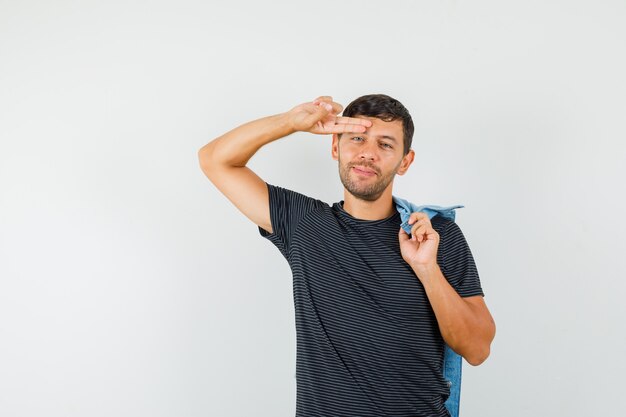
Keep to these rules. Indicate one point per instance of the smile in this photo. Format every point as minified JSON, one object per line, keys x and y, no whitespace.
{"x":364,"y":171}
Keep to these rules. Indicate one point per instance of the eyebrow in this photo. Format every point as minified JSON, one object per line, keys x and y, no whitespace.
{"x":391,"y":138}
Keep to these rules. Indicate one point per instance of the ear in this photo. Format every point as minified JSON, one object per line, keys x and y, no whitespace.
{"x":407,"y":160}
{"x":335,"y":147}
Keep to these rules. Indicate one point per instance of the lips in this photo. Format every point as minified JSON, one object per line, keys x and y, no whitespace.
{"x":360,"y":169}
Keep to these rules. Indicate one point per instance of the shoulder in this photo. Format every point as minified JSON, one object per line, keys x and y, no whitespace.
{"x":450,"y":232}
{"x":287,"y":211}
{"x":291,"y":205}
{"x":294,"y":196}
{"x":441,"y":224}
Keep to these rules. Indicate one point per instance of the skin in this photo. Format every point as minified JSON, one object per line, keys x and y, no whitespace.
{"x":379,"y":152}
{"x":370,"y":154}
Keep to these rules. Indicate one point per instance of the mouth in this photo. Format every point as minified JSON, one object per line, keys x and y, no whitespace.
{"x":361,"y":170}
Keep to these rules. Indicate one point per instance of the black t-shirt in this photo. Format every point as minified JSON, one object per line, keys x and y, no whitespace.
{"x":368,"y":344}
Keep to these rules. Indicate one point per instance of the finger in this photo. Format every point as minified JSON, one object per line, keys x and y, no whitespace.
{"x":327,"y":99}
{"x":309,"y":107}
{"x":403,"y":236}
{"x":354,"y":121}
{"x":322,"y":102}
{"x":414,"y":217}
{"x":429,"y":234}
{"x":325,"y":105}
{"x":418,"y":232}
{"x":336,"y":108}
{"x":347,"y":128}
{"x":318,"y":114}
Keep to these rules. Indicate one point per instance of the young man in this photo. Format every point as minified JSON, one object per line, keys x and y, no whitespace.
{"x":373,"y":305}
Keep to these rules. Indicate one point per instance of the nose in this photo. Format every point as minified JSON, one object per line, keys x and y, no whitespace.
{"x":368,"y":151}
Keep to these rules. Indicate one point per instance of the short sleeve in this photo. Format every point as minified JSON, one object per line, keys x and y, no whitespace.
{"x":456,"y":261}
{"x":287,"y":209}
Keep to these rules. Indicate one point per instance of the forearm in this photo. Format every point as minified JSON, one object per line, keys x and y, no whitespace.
{"x":467,"y":327}
{"x":236,"y":147}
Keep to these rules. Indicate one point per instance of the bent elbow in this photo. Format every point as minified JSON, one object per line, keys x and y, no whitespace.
{"x":479,"y":357}
{"x":483,"y":349}
{"x":204,"y":152}
{"x":204,"y":158}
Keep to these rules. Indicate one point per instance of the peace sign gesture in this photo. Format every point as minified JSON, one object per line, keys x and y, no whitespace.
{"x":320,"y":116}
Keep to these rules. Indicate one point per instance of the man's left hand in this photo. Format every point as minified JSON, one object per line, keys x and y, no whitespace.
{"x":419,"y":250}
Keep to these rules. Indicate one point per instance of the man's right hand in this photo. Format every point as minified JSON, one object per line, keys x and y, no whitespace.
{"x":320,"y":116}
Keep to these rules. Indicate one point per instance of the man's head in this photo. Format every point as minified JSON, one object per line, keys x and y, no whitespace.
{"x":385,"y":108}
{"x":369,"y":161}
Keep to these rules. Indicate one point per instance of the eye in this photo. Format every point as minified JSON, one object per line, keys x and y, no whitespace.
{"x":357,"y":138}
{"x":386,"y":146}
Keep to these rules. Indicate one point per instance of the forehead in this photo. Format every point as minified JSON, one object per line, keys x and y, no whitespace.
{"x":380,"y":127}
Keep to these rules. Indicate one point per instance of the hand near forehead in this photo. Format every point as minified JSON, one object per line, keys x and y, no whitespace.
{"x":320,"y":116}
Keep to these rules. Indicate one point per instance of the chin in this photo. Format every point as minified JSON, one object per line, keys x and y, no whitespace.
{"x":364,"y":195}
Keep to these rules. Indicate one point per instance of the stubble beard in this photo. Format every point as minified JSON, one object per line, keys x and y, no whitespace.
{"x":368,"y":192}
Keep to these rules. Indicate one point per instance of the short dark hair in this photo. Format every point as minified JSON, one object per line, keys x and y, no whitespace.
{"x":385,"y":108}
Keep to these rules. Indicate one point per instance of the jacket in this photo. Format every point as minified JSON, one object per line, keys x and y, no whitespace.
{"x":452,"y":361}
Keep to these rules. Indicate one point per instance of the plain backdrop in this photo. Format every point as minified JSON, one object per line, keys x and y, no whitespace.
{"x":129,"y":286}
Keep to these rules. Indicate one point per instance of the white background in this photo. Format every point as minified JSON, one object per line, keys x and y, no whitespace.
{"x":129,"y":286}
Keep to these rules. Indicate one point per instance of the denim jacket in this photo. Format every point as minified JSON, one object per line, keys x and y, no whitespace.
{"x":452,"y":362}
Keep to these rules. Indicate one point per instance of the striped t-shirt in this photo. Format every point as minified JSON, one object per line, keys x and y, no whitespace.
{"x":368,"y":344}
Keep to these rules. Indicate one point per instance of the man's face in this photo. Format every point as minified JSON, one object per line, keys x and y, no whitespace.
{"x":369,"y":161}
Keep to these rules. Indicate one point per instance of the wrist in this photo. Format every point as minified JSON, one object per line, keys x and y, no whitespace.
{"x":426,"y":271}
{"x":285,"y":123}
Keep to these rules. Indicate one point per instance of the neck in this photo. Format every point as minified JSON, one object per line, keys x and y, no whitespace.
{"x":378,"y":209}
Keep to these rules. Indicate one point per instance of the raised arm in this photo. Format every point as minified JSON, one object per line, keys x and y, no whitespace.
{"x":224,"y":159}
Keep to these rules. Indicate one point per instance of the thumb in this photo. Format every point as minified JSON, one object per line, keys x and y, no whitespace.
{"x":402,"y":235}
